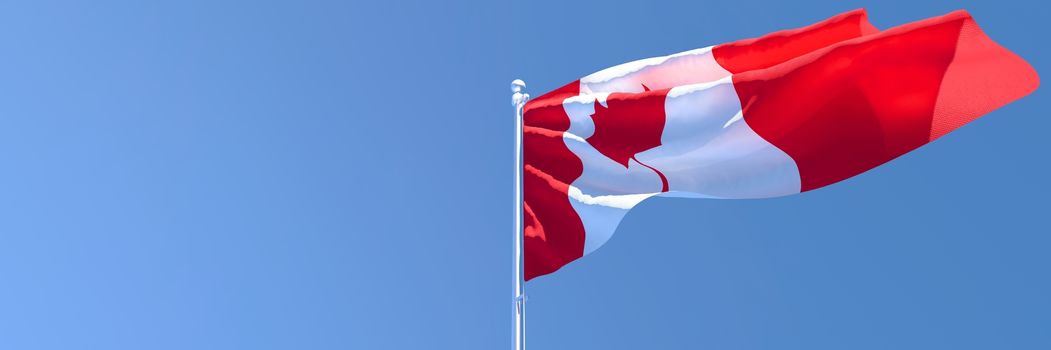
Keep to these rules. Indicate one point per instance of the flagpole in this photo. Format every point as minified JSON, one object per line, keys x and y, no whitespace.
{"x":518,"y":309}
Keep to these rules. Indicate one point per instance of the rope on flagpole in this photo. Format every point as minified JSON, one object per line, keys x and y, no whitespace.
{"x":518,"y":100}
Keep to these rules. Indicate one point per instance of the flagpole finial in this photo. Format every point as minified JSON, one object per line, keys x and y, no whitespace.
{"x":519,"y":98}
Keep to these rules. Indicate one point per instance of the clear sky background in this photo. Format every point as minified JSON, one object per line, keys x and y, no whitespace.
{"x":337,"y":175}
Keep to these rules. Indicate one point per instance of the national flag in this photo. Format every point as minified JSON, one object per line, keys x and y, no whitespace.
{"x":786,"y":113}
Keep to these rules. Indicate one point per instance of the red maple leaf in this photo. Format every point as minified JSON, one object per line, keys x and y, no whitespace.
{"x":630,"y":123}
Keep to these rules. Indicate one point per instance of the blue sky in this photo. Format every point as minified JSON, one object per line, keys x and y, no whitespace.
{"x":337,"y":175}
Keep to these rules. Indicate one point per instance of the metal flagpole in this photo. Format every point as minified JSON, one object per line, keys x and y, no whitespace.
{"x":518,"y":100}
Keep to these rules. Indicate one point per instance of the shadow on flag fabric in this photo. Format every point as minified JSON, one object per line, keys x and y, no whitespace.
{"x":785,"y":113}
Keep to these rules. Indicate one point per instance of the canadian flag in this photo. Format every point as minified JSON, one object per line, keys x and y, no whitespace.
{"x":786,"y":113}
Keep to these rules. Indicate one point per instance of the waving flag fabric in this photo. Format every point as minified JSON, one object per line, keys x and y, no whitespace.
{"x":782,"y":114}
